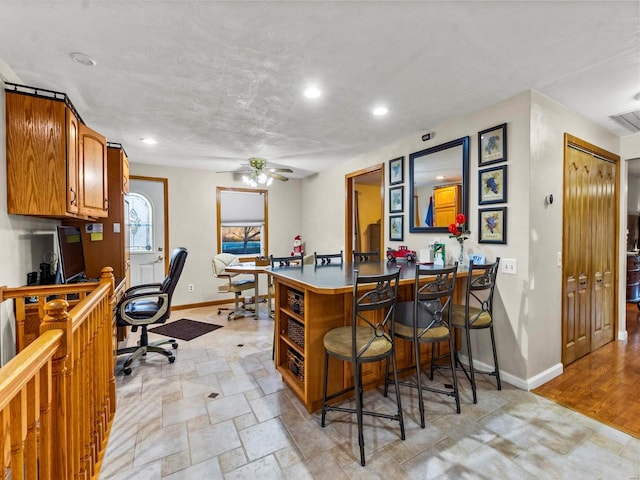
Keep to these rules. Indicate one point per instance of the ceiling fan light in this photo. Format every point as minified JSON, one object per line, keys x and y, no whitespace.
{"x":262,"y":178}
{"x":270,"y":181}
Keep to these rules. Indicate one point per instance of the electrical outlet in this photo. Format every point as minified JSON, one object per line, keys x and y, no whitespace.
{"x":509,"y":266}
{"x":190,"y":288}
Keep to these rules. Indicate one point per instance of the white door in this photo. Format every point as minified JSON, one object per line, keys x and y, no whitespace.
{"x":148,"y":250}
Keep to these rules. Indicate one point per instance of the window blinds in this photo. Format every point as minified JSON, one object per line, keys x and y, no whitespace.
{"x":241,"y":209}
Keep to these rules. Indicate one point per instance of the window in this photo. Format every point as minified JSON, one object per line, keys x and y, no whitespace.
{"x":140,"y":223}
{"x":242,"y":221}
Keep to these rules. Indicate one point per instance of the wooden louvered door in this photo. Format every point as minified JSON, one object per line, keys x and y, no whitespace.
{"x":589,"y":248}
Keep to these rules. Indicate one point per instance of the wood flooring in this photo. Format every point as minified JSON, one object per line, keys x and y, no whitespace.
{"x":604,"y":385}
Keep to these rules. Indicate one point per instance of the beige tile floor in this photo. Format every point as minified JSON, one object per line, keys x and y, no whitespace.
{"x":168,"y":425}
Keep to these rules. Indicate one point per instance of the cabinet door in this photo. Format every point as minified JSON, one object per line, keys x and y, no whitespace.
{"x":73,"y":201}
{"x":94,"y":197}
{"x":36,"y":155}
{"x":125,"y":174}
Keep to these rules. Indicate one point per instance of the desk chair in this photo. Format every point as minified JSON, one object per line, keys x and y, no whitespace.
{"x":369,"y":338}
{"x":468,"y":317}
{"x":327,"y":258}
{"x":364,"y":257}
{"x":143,"y":305}
{"x":219,"y":263}
{"x":427,"y":320}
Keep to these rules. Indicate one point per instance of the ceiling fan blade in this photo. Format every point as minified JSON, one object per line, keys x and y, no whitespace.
{"x":283,"y":170}
{"x":277,"y":176}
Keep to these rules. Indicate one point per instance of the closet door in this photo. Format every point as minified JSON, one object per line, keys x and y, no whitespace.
{"x":589,"y":248}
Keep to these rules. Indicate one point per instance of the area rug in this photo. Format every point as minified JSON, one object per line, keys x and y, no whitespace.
{"x":185,"y":329}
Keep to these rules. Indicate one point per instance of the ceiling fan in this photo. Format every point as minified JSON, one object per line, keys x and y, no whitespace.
{"x":256,"y":172}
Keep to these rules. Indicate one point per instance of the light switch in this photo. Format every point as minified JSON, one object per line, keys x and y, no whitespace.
{"x":509,"y":266}
{"x":116,"y":228}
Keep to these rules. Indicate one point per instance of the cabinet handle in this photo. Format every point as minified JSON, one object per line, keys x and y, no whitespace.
{"x":74,"y":198}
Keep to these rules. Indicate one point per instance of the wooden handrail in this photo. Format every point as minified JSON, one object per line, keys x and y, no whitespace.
{"x":57,"y":396}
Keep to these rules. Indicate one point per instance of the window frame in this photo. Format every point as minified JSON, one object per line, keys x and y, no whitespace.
{"x":265,"y":241}
{"x":150,"y":227}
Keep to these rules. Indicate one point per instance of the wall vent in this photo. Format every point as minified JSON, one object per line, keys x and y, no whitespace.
{"x":629,"y":120}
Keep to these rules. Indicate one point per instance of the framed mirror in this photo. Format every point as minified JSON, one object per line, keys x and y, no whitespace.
{"x":438,"y":186}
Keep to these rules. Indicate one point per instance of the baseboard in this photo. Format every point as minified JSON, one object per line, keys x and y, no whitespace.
{"x":522,"y":384}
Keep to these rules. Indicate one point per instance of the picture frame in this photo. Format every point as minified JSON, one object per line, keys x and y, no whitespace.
{"x":396,"y":228}
{"x":492,"y":225}
{"x":492,"y":185}
{"x":396,"y":171}
{"x":492,"y":145}
{"x":396,"y":199}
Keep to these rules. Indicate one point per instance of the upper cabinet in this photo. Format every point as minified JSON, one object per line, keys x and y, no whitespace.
{"x":94,"y":198}
{"x":56,"y":166}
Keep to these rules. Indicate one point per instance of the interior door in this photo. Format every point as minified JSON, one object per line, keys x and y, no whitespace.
{"x":589,"y":248}
{"x":150,"y":264}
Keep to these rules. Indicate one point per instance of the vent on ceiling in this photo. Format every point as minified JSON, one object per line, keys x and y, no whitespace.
{"x":630,"y":120}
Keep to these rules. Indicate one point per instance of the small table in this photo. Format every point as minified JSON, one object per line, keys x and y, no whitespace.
{"x":252,"y":268}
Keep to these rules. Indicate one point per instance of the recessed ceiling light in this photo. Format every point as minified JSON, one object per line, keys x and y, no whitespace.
{"x":312,"y":92}
{"x":379,"y":111}
{"x":82,"y":59}
{"x":148,"y":141}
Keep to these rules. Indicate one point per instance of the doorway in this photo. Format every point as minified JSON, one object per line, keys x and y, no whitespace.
{"x":589,"y":244}
{"x":148,"y":217}
{"x":364,"y":229}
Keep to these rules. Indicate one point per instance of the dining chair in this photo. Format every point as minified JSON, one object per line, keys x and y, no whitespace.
{"x":369,"y":338}
{"x":477,"y":314}
{"x":327,"y":258}
{"x":427,"y":321}
{"x":363,"y":257}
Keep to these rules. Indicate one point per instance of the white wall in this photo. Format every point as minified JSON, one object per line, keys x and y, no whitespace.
{"x":192,"y":223}
{"x":528,"y":306}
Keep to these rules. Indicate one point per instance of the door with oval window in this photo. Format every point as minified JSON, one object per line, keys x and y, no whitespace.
{"x":147,"y":201}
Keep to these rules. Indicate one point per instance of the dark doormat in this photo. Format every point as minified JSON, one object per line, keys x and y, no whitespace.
{"x":184,"y":329}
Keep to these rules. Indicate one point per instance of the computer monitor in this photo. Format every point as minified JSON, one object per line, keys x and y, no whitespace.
{"x":72,"y":267}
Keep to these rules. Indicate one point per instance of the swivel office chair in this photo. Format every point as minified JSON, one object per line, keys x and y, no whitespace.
{"x":219,"y":263}
{"x":143,"y":305}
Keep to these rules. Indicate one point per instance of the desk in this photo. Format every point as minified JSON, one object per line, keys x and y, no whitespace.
{"x":316,"y":299}
{"x":252,"y":268}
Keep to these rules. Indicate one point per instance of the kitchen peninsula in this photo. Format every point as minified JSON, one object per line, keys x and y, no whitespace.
{"x":310,"y":301}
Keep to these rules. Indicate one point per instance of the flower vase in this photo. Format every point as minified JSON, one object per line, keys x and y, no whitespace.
{"x":461,"y":263}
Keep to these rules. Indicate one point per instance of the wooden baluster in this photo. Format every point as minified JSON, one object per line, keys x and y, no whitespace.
{"x":18,"y":428}
{"x":106,"y":275}
{"x":62,"y":457}
{"x":5,"y":442}
{"x":32,"y":417}
{"x":45,"y":423}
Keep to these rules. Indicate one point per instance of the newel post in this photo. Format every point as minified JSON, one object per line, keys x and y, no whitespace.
{"x":57,"y":317}
{"x":106,"y":276}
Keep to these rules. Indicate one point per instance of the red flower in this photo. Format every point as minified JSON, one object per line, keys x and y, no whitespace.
{"x":453,"y":229}
{"x":460,"y":219}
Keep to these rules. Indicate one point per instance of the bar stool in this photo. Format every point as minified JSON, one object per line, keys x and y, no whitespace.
{"x":327,"y":258}
{"x":427,"y":320}
{"x":369,"y":338}
{"x":363,"y":257}
{"x":481,"y":283}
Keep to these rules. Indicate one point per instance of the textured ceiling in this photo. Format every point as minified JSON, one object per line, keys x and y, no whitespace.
{"x":218,"y":82}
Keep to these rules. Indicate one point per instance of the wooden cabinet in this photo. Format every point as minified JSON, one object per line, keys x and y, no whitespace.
{"x":446,"y":205}
{"x":56,"y":166}
{"x":110,"y":249}
{"x":94,"y":194}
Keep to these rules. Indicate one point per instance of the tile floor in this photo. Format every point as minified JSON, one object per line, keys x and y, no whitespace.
{"x":221,"y":411}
